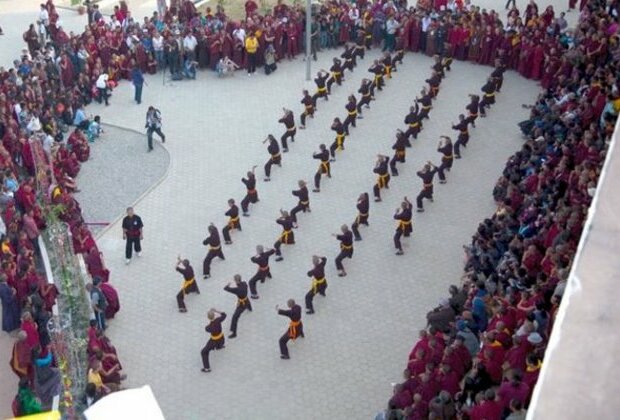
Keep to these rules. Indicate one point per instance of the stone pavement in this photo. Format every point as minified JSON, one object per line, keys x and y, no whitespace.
{"x":119,"y":171}
{"x":360,"y":336}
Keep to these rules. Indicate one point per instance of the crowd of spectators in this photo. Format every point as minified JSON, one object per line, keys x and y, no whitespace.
{"x":480,"y":355}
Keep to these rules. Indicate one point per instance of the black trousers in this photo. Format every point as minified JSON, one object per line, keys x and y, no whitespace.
{"x":211,"y":345}
{"x":334,"y":146}
{"x":206,"y":264}
{"x":149,"y":135}
{"x":350,"y":120}
{"x":317,"y":177}
{"x":344,"y":253}
{"x":272,"y":161}
{"x":461,"y":141}
{"x":285,"y":136}
{"x":226,"y":230}
{"x":238,"y":311}
{"x":260,"y":275}
{"x":399,"y":233}
{"x":446,"y":164}
{"x":359,"y":220}
{"x":320,"y":289}
{"x":396,"y":158}
{"x":249,"y":198}
{"x":486,"y":101}
{"x":285,"y":338}
{"x":377,"y":189}
{"x":319,"y":95}
{"x":192,"y":288}
{"x":304,"y":115}
{"x":364,"y":101}
{"x":412,"y":131}
{"x":427,"y":192}
{"x":132,"y":244}
{"x":331,"y":80}
{"x":251,"y":62}
{"x":299,"y":207}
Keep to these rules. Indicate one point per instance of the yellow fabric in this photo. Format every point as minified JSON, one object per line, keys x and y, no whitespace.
{"x":321,"y":90}
{"x":346,"y":247}
{"x":217,"y":337}
{"x":48,"y":415}
{"x":381,"y":180}
{"x":95,"y":378}
{"x":315,"y":284}
{"x":284,"y":236}
{"x":214,"y":248}
{"x":414,"y":125}
{"x":242,"y":301}
{"x":251,"y":45}
{"x":325,"y":166}
{"x":403,"y":224}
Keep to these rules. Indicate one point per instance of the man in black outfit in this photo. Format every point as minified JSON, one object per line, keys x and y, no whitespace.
{"x":132,"y":233}
{"x":238,"y":288}
{"x":295,"y":328}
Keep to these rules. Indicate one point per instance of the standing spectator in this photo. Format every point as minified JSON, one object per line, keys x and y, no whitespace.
{"x":189,"y":45}
{"x":390,"y":34}
{"x":102,"y":87}
{"x":98,"y":302}
{"x":10,"y":306}
{"x":251,"y":47}
{"x":31,"y":228}
{"x":153,"y":124}
{"x":137,"y":78}
{"x":132,"y":233}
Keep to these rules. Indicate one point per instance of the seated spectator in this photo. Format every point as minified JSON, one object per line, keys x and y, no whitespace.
{"x":270,"y":60}
{"x":94,"y":129}
{"x":441,"y":317}
{"x":226,"y":67}
{"x":91,"y":395}
{"x":25,"y":402}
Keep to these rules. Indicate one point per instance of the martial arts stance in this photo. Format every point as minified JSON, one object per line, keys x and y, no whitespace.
{"x":233,"y":221}
{"x":319,"y":283}
{"x":427,"y":173}
{"x":426,"y":104}
{"x":275,"y":158}
{"x":295,"y":328}
{"x":324,"y":167}
{"x":364,"y":90}
{"x":383,"y":176}
{"x":351,"y":108}
{"x":216,"y":342}
{"x":399,"y":147}
{"x":498,"y":74}
{"x":338,"y":143}
{"x":349,"y":58}
{"x":215,"y":250}
{"x":378,"y":70}
{"x":363,"y":205}
{"x":189,"y":282}
{"x":308,"y":104}
{"x":287,"y":237}
{"x":433,"y":84}
{"x":472,"y":109}
{"x":445,"y":148}
{"x":336,"y":75}
{"x":488,"y":97}
{"x":346,"y":248}
{"x":238,"y":288}
{"x":289,"y":122}
{"x":387,"y":64}
{"x":403,"y":215}
{"x":261,"y":259}
{"x":321,"y":90}
{"x":463,"y":137}
{"x":414,"y":122}
{"x":251,"y":196}
{"x":303,"y":203}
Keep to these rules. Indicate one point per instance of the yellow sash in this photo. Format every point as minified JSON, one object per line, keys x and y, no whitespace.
{"x":325,"y":165}
{"x":284,"y":236}
{"x":315,"y":284}
{"x":187,"y":283}
{"x":381,"y":180}
{"x":232,"y":221}
{"x":277,"y":155}
{"x":214,"y":248}
{"x":414,"y":125}
{"x":217,"y":337}
{"x":489,"y":95}
{"x":354,"y":113}
{"x":292,"y":329}
{"x":242,"y":301}
{"x":403,"y":224}
{"x":321,"y":90}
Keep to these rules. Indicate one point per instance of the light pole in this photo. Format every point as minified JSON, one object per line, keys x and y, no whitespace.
{"x":308,"y":36}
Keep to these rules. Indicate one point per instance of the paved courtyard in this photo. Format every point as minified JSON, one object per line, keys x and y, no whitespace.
{"x":358,"y":340}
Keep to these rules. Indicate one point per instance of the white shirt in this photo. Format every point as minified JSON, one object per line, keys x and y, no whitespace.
{"x":102,"y":81}
{"x":189,"y":42}
{"x":44,"y":16}
{"x":239,"y":33}
{"x":158,"y":43}
{"x":354,"y":15}
{"x":426,"y":22}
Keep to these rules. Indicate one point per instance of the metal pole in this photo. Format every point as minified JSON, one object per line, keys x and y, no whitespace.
{"x":308,"y":36}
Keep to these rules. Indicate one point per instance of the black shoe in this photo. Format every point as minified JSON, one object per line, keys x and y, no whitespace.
{"x":233,"y":335}
{"x":399,"y":252}
{"x":279,"y":258}
{"x":284,"y":356}
{"x":205,"y":370}
{"x":227,"y":242}
{"x":420,"y":210}
{"x":206,"y":276}
{"x":358,"y":239}
{"x":309,"y":312}
{"x":254,"y":296}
